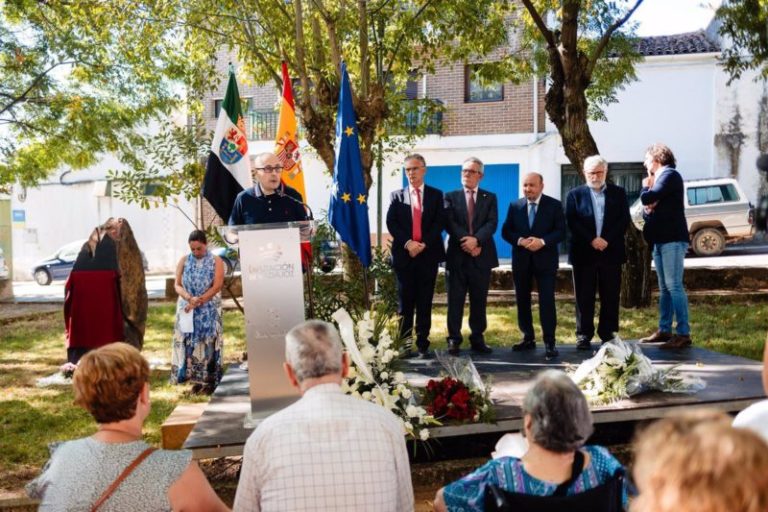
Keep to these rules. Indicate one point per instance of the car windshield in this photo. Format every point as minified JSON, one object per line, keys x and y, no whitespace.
{"x":70,"y":251}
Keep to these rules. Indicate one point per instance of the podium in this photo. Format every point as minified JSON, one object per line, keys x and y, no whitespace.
{"x":273,"y":295}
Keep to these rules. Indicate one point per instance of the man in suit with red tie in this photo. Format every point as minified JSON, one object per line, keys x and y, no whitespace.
{"x":534,"y":226}
{"x":471,"y":219}
{"x":415,"y":220}
{"x":598,"y":215}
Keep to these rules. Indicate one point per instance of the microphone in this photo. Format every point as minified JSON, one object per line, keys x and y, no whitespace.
{"x":281,"y":192}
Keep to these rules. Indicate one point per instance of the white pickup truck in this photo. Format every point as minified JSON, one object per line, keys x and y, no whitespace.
{"x":717,"y":211}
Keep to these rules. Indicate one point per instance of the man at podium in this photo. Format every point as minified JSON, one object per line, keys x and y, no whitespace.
{"x":267,"y":201}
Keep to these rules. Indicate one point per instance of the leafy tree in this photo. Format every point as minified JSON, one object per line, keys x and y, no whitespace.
{"x":84,"y":78}
{"x":745,"y":23}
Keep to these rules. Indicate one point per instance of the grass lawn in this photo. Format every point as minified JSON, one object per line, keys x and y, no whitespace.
{"x":31,"y":417}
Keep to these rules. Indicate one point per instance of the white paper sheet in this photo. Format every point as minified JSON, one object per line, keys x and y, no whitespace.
{"x":186,"y":323}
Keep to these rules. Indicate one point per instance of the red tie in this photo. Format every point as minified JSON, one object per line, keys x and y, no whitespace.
{"x":471,"y":210}
{"x":416,"y":237}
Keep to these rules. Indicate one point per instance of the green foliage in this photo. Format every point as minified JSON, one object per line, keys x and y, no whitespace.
{"x":745,"y":23}
{"x":332,"y":291}
{"x":613,"y":64}
{"x":82,"y":79}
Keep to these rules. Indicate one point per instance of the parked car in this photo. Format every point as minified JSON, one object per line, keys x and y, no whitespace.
{"x":717,"y":211}
{"x":230,"y":258}
{"x":59,"y":265}
{"x":4,"y":272}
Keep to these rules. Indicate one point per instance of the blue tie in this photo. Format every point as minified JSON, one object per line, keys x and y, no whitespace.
{"x":531,"y":214}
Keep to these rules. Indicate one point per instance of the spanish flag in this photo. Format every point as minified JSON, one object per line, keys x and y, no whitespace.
{"x":286,"y":141}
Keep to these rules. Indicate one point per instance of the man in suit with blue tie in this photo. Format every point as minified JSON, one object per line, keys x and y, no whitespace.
{"x":534,"y":226}
{"x":415,"y":220}
{"x":471,"y":219}
{"x":597,"y":215}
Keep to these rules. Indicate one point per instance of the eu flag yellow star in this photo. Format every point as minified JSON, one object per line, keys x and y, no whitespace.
{"x":360,"y":198}
{"x":349,"y":131}
{"x":346,"y":197}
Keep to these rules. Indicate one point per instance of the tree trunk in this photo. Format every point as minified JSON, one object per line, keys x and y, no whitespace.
{"x":636,"y":273}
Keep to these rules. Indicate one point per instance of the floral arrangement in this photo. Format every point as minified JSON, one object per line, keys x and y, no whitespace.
{"x":373,"y":373}
{"x":620,"y":370}
{"x":461,"y":396}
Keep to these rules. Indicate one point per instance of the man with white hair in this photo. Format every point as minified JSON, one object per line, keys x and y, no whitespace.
{"x":597,"y":215}
{"x":327,"y":451}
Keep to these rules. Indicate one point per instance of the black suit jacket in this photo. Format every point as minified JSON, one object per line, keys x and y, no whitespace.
{"x":400,"y":226}
{"x":484,"y":222}
{"x":667,"y":221}
{"x":549,"y":225}
{"x":580,"y":215}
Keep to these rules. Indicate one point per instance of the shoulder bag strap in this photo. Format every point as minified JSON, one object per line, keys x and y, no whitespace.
{"x":127,"y":471}
{"x":576,"y":469}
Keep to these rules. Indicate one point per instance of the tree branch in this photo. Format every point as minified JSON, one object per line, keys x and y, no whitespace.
{"x":605,"y":39}
{"x":537,"y":19}
{"x":22,"y":98}
{"x":401,"y":39}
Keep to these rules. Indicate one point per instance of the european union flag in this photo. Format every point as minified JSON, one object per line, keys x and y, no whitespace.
{"x":348,"y":212}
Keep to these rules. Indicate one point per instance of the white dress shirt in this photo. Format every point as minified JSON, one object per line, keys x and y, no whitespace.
{"x":326,"y":452}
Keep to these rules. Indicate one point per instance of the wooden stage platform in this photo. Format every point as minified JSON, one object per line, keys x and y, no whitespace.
{"x":732,"y":382}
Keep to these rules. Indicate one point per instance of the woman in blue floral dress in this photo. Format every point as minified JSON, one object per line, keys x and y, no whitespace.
{"x":197,"y":352}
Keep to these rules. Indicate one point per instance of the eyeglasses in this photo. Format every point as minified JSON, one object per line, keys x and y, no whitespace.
{"x":275,"y":169}
{"x":414,"y":169}
{"x":470,"y":171}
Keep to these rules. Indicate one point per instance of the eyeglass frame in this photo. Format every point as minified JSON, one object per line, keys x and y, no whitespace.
{"x":269,"y":169}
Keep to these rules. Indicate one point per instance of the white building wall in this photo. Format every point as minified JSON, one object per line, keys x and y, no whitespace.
{"x":57,"y":214}
{"x":673,"y":101}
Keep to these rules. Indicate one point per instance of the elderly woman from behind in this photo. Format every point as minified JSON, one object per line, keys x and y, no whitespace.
{"x":696,"y":461}
{"x":557,"y":423}
{"x":112,"y":383}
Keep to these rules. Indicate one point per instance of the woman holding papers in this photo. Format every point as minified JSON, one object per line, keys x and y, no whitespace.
{"x":197,"y":335}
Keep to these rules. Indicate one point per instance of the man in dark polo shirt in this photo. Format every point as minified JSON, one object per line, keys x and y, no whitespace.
{"x":267,"y":201}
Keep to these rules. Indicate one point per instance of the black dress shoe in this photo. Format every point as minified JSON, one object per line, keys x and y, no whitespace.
{"x":550,"y":352}
{"x":583,"y":344}
{"x":422,"y":355}
{"x":524,"y":345}
{"x":481,"y":348}
{"x":453,"y":347}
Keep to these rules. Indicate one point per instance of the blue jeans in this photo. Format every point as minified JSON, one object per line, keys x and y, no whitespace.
{"x":668,"y":259}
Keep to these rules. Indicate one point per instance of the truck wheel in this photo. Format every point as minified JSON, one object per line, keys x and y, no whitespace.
{"x":708,"y":242}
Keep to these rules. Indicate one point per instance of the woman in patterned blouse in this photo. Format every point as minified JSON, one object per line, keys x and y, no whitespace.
{"x":556,"y":422}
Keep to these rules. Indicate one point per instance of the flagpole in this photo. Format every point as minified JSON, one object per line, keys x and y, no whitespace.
{"x":366,"y":296}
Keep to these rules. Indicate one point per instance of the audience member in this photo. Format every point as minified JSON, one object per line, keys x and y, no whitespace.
{"x":112,"y":383}
{"x":329,"y":451}
{"x":755,"y":417}
{"x":696,"y":461}
{"x":557,"y":423}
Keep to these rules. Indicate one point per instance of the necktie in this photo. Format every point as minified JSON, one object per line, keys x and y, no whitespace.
{"x":531,"y":214}
{"x":471,"y":210}
{"x":416,"y":235}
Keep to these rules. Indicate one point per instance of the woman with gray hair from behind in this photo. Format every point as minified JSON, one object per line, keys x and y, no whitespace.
{"x":557,"y":424}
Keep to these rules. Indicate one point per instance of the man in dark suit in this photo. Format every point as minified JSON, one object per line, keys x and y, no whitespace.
{"x":666,"y":229}
{"x":471,"y":220}
{"x":415,"y":220}
{"x":597,"y":215}
{"x":534,"y":226}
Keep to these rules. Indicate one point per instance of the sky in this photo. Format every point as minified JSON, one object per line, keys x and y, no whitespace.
{"x":663,"y":17}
